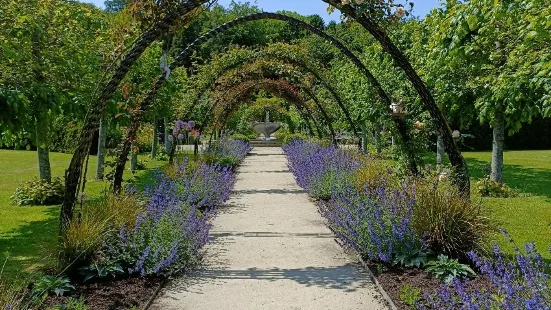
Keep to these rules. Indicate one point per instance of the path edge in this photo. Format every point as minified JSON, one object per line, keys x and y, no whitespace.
{"x":155,"y":294}
{"x":385,"y":295}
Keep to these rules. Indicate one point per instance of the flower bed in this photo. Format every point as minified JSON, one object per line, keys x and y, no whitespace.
{"x":421,"y":239}
{"x":128,"y":243}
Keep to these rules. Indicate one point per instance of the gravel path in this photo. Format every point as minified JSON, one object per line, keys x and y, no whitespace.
{"x":270,"y":249}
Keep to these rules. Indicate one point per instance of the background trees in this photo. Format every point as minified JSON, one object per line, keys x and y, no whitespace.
{"x":51,"y":51}
{"x":486,"y":62}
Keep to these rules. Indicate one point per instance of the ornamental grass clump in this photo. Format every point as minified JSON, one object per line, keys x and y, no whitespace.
{"x":519,"y":282}
{"x":96,"y":221}
{"x":320,"y":170}
{"x":449,"y":223}
{"x":377,"y":224}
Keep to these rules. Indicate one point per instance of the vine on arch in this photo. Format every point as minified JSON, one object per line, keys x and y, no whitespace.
{"x":279,"y":88}
{"x":369,"y":15}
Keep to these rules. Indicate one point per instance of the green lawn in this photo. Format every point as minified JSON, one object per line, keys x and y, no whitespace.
{"x":526,"y":218}
{"x":26,"y":232}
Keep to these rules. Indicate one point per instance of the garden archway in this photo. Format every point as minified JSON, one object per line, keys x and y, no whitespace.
{"x":73,"y":174}
{"x":279,"y":89}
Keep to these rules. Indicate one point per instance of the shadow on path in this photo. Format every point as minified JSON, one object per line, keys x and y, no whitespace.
{"x":348,"y":277}
{"x":269,"y":191}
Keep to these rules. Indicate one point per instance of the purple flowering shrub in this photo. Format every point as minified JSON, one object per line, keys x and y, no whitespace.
{"x":167,"y":236}
{"x":227,"y":152}
{"x":206,"y":185}
{"x":320,"y":170}
{"x":377,"y":224}
{"x":520,"y":282}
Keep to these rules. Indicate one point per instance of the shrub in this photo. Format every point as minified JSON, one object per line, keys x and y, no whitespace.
{"x":204,"y":185}
{"x":328,"y":183}
{"x":167,"y":236}
{"x":39,"y":192}
{"x":320,"y":170}
{"x":144,"y":138}
{"x":373,"y":174}
{"x":64,"y":134}
{"x":488,"y":188}
{"x":519,"y":282}
{"x":450,"y":224}
{"x":241,"y":137}
{"x":447,"y":269}
{"x":289,"y":137}
{"x":376,"y":224}
{"x":227,"y":152}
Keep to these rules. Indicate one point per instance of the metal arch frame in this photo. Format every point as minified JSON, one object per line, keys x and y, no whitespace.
{"x":314,"y":98}
{"x":258,"y":56}
{"x":289,"y":61}
{"x":186,"y":53}
{"x":73,"y":175}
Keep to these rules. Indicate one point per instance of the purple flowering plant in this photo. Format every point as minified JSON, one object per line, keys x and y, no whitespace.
{"x":521,"y":281}
{"x":374,"y":223}
{"x":181,"y":130}
{"x":320,"y":170}
{"x":227,"y":152}
{"x":168,"y":235}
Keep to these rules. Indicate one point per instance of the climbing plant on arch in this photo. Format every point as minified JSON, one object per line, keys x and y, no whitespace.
{"x":241,"y":93}
{"x":262,"y":68}
{"x":279,"y":88}
{"x":372,"y":10}
{"x":239,"y":57}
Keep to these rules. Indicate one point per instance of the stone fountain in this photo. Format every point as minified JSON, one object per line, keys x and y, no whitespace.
{"x":266,"y":128}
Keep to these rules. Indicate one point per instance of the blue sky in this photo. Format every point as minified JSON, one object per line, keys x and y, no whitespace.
{"x":306,"y":7}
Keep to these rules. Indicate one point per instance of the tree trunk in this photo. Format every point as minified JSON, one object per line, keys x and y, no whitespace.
{"x":155,"y":142}
{"x":42,"y":150}
{"x":497,"y":149}
{"x":134,"y":158}
{"x":168,"y":144}
{"x":100,"y":167}
{"x":377,"y":135}
{"x":440,"y":150}
{"x":364,"y":137}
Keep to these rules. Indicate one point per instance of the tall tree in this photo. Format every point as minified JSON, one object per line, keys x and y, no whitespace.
{"x":495,"y":50}
{"x":51,"y":58}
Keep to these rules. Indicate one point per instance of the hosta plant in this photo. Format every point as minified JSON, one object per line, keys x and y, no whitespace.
{"x":51,"y":285}
{"x":100,"y":271}
{"x":489,"y":188}
{"x":447,"y":269}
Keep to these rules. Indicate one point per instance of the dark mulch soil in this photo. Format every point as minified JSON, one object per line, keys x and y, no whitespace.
{"x":393,"y":280}
{"x":118,"y":294}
